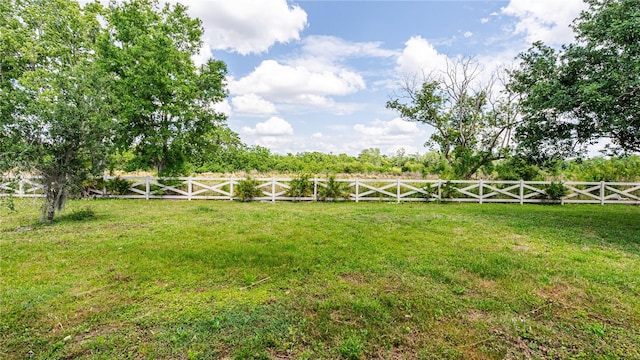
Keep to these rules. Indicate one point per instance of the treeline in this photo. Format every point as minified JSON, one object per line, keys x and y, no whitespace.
{"x":371,"y":162}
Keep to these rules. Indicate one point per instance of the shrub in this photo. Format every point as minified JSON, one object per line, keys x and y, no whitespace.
{"x":430,"y":190}
{"x":555,"y":191}
{"x":247,"y":189}
{"x":117,"y":186}
{"x":300,"y":187}
{"x":448,"y":190}
{"x":333,"y":190}
{"x":516,"y":168}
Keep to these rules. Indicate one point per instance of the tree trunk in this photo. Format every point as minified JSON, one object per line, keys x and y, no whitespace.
{"x":55,"y":196}
{"x":51,"y":211}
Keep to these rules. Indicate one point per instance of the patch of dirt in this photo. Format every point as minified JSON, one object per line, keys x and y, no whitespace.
{"x":396,"y":354}
{"x":354,"y":278}
{"x":122,"y":277}
{"x":563,"y":294}
{"x":475,"y":315}
{"x":521,"y":247}
{"x":485,"y":284}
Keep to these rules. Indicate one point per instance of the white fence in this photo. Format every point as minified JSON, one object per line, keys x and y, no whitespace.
{"x":395,"y":190}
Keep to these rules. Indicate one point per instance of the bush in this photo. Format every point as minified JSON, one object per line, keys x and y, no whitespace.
{"x":117,"y":186}
{"x":333,"y":190}
{"x":300,"y":187}
{"x":516,"y":168}
{"x":448,"y":190}
{"x":430,"y":191}
{"x":247,"y":189}
{"x":555,"y":191}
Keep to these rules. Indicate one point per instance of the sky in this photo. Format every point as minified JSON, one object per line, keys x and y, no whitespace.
{"x":315,"y":75}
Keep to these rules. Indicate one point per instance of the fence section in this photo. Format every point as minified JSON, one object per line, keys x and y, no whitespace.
{"x":392,"y":190}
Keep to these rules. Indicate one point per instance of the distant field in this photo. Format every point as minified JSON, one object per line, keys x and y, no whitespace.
{"x":128,"y":279}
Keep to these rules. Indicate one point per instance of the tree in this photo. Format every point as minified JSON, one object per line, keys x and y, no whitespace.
{"x":586,"y":91}
{"x":372,"y":157}
{"x":55,"y":100}
{"x":472,"y":121}
{"x":166,"y":101}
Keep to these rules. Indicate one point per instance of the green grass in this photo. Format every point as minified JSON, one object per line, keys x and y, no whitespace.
{"x":210,"y":280}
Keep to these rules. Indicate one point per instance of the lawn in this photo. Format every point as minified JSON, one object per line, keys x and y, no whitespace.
{"x":125,"y":279}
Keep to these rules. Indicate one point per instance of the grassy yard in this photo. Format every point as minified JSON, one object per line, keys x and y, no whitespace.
{"x":210,"y":280}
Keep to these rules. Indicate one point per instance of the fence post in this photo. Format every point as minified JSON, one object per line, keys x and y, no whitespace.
{"x":21,"y":187}
{"x":480,"y":190}
{"x":231,"y":179}
{"x":357,"y":190}
{"x":273,"y":189}
{"x":398,"y":190}
{"x":602,"y":188}
{"x":189,"y":188}
{"x":440,"y":190}
{"x":147,"y":183}
{"x":315,"y":189}
{"x":521,"y":191}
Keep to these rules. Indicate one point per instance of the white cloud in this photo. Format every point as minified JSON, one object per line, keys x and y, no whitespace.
{"x":467,"y":34}
{"x":389,"y":136}
{"x":273,"y":80}
{"x":333,"y":48}
{"x":329,"y":53}
{"x":484,"y":20}
{"x":420,"y":56}
{"x":398,"y":126}
{"x":298,"y":85}
{"x":223,"y":107}
{"x":545,"y":20}
{"x":203,"y":55}
{"x":252,"y":104}
{"x":273,"y":127}
{"x":248,"y":26}
{"x":395,"y":127}
{"x":242,"y":26}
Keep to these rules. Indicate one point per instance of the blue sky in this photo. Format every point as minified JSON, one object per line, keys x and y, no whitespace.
{"x":315,"y":75}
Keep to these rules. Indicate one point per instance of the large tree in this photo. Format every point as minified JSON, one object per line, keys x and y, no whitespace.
{"x":166,"y":101}
{"x":55,"y":112}
{"x":586,"y":91}
{"x":471,"y":120}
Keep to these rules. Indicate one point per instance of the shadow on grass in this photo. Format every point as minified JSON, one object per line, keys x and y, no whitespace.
{"x":81,"y":215}
{"x":597,"y":225}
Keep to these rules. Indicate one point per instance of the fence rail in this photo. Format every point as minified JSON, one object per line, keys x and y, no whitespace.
{"x":394,"y":190}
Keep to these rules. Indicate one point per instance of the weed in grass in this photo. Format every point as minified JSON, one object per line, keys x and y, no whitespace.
{"x":351,"y":348}
{"x":205,"y":209}
{"x":597,"y":329}
{"x":250,"y":279}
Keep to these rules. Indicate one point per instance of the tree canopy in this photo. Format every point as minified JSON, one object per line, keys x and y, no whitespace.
{"x":586,"y":91}
{"x":472,"y":120}
{"x":78,"y":83}
{"x":56,"y":101}
{"x":166,"y":111}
